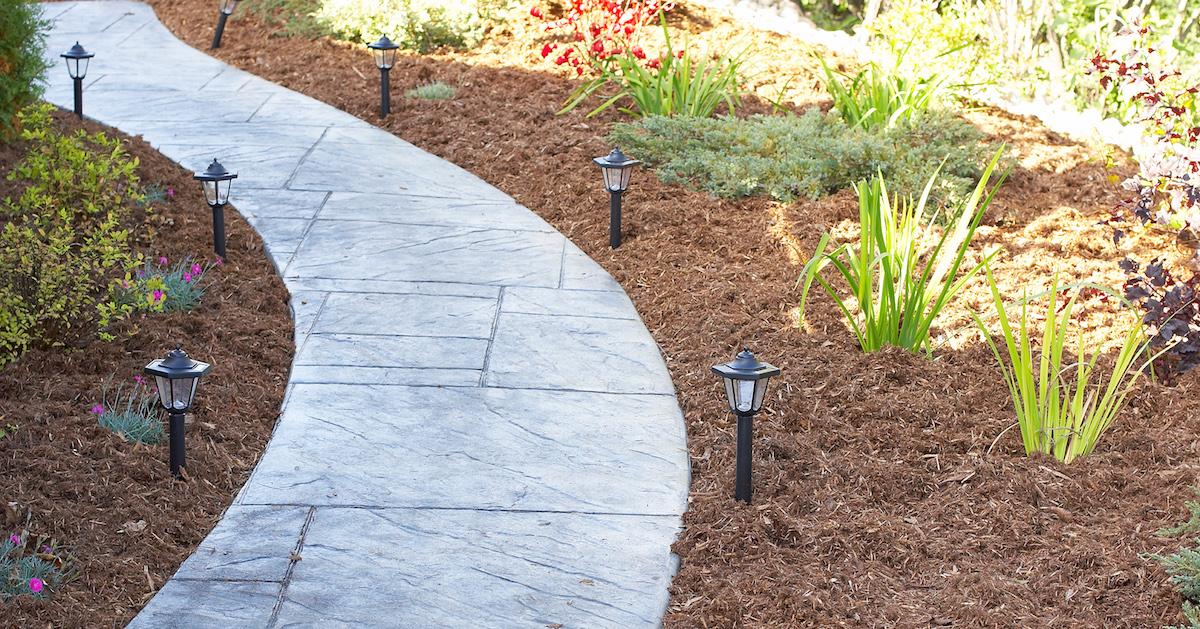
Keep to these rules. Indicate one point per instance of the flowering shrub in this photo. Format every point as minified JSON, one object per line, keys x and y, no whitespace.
{"x":674,"y":83}
{"x":420,"y":25}
{"x":159,"y":286}
{"x":1168,"y":181}
{"x":133,"y":415}
{"x":30,"y":566}
{"x":594,"y":31}
{"x":65,"y":239}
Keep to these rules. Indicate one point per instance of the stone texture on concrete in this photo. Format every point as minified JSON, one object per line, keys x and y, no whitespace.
{"x":478,"y":429}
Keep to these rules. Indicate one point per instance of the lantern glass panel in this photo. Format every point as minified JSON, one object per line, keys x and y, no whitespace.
{"x":182,"y":391}
{"x":731,"y":393}
{"x":385,"y":58}
{"x":164,"y":390}
{"x":760,"y":394}
{"x":227,"y":6}
{"x":77,"y":68}
{"x":612,"y":180}
{"x":626,"y":174}
{"x":217,"y":192}
{"x":745,"y":396}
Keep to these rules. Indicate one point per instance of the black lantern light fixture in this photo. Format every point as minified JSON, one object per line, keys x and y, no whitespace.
{"x":617,"y":169}
{"x":226,"y":9}
{"x":745,"y":387}
{"x":385,"y":57}
{"x":177,"y":378}
{"x":77,"y":65}
{"x":216,"y":182}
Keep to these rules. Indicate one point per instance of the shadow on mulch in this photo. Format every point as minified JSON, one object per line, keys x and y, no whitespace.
{"x":64,"y":476}
{"x":888,"y":492}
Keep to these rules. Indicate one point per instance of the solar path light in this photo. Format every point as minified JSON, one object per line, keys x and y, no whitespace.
{"x":77,"y":65}
{"x":217,"y":182}
{"x":745,"y":381}
{"x":226,"y":9}
{"x":617,"y":169}
{"x":384,"y":51}
{"x":177,"y":378}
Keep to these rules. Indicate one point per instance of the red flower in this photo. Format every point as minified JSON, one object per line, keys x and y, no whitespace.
{"x":578,"y":71}
{"x":536,"y":11}
{"x":638,"y":52}
{"x":547,"y":49}
{"x":654,"y":64}
{"x":560,"y":60}
{"x":598,"y":46}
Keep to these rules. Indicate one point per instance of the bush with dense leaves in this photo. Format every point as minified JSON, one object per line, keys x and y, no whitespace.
{"x":420,"y":25}
{"x":811,"y":155}
{"x":22,"y":63}
{"x":65,"y":241}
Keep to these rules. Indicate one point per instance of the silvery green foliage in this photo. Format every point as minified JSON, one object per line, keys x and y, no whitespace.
{"x":809,"y":155}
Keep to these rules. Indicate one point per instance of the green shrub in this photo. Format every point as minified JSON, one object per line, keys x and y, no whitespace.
{"x":811,"y":155}
{"x":432,"y":91}
{"x":420,"y":25}
{"x":900,"y":275}
{"x":32,"y":566}
{"x":875,"y":98}
{"x":65,"y":242}
{"x":161,"y":287}
{"x":22,"y":62}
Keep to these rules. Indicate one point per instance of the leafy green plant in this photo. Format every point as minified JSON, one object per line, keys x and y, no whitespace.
{"x":65,"y":241}
{"x":432,"y":91}
{"x":874,"y":98}
{"x":1183,"y":566}
{"x":420,"y":25}
{"x":32,"y":566}
{"x":133,"y":414}
{"x":1061,"y":413}
{"x":810,"y":155}
{"x":22,"y":61}
{"x":679,"y":83}
{"x":159,"y":286}
{"x":900,"y":276}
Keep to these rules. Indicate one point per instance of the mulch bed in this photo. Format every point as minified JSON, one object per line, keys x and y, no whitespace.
{"x":112,"y":505}
{"x":886,"y":493}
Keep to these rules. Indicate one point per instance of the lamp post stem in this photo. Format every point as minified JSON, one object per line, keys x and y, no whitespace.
{"x":219,"y":229}
{"x":220,"y":30}
{"x":79,"y":97}
{"x":177,"y":447}
{"x":614,"y":219}
{"x":745,"y":435}
{"x":385,"y":93}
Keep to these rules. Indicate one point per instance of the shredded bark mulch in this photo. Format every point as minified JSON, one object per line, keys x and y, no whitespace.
{"x":891,"y":489}
{"x":114,"y":506}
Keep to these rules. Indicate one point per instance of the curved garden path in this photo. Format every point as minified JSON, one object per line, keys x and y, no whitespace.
{"x":478,"y":431}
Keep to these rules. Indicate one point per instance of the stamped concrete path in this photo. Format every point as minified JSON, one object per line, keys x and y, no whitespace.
{"x":478,"y":431}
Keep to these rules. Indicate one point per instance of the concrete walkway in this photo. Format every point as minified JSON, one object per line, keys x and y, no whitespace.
{"x":478,"y":431}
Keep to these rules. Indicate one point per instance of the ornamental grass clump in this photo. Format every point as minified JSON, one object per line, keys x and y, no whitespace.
{"x":875,"y":98}
{"x":159,"y":286}
{"x":30,"y":566}
{"x":900,"y":276}
{"x":133,"y":414}
{"x":1063,"y":405}
{"x":432,"y":91}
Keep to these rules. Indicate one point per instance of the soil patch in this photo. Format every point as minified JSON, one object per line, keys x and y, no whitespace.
{"x":113,"y":505}
{"x":888,"y":492}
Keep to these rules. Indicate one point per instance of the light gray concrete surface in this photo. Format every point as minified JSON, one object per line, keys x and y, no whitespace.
{"x":478,"y":430}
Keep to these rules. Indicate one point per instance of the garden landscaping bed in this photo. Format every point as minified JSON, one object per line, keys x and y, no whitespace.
{"x":112,"y":506}
{"x":890,"y":488}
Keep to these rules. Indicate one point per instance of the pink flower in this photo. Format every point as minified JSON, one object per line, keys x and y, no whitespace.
{"x":139,"y":379}
{"x":163,"y":260}
{"x":98,"y":409}
{"x":171,"y":192}
{"x":47,"y":550}
{"x":187,"y":278}
{"x":197,"y":269}
{"x":218,"y":262}
{"x":36,"y":585}
{"x":157,"y":296}
{"x":14,"y":539}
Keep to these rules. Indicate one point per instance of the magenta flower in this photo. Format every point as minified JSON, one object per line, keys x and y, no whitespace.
{"x":217,"y":262}
{"x":141,"y":273}
{"x":139,"y":379}
{"x":47,"y":550}
{"x":197,"y":269}
{"x":36,"y":585}
{"x":171,"y":191}
{"x":187,"y":277}
{"x":163,"y":260}
{"x":14,"y":539}
{"x":98,"y":409}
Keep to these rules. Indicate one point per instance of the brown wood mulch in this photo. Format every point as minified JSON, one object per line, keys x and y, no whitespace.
{"x":887,"y":490}
{"x":113,"y":505}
